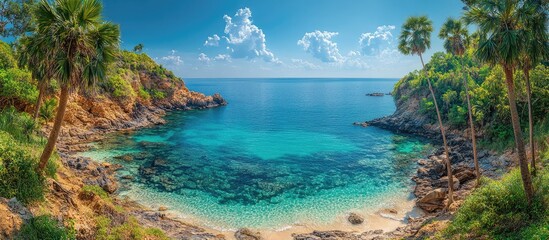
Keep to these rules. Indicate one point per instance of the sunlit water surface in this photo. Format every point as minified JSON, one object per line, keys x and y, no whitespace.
{"x":283,"y":152}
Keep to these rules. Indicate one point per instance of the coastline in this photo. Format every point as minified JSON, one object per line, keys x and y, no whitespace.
{"x":427,"y":179}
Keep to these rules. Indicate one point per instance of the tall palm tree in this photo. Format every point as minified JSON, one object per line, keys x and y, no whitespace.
{"x":415,"y":38}
{"x":37,"y":56}
{"x":84,"y":44}
{"x":502,"y":38}
{"x":456,"y":38}
{"x":535,"y":49}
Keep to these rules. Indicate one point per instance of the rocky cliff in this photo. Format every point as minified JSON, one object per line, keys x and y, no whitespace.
{"x":137,"y":93}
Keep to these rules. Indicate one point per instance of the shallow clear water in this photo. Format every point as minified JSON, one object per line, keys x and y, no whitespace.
{"x":283,"y":152}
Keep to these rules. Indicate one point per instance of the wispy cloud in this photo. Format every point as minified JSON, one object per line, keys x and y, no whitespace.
{"x":172,"y":60}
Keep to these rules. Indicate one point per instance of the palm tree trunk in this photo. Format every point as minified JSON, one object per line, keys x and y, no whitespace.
{"x":442,"y":132}
{"x":472,"y":126}
{"x":41,"y":90}
{"x":523,"y":162}
{"x":52,"y":139}
{"x":530,"y":120}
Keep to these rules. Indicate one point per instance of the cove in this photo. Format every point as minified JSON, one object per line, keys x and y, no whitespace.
{"x":283,"y":152}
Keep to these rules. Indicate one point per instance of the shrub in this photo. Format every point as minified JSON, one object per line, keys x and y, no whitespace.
{"x":47,"y":110}
{"x":129,"y":230}
{"x":499,"y":210}
{"x":118,"y":86}
{"x":20,"y":126}
{"x":45,"y":228}
{"x":144,"y":94}
{"x":6,"y":56}
{"x":16,"y":87}
{"x":17,"y":176}
{"x":157,"y":94}
{"x":96,"y":190}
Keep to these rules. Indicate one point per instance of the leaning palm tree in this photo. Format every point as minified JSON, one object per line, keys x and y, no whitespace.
{"x":36,"y":55}
{"x":502,"y":38}
{"x":535,"y":49}
{"x":415,"y":38}
{"x":84,"y":44}
{"x":456,"y":38}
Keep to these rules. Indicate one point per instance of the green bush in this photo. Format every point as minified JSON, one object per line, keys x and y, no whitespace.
{"x":16,"y":86}
{"x":20,"y":126}
{"x":144,"y":94}
{"x":129,"y":230}
{"x":47,"y":110}
{"x":45,"y":228}
{"x":96,"y":190}
{"x":6,"y":56}
{"x":499,"y":210}
{"x":17,"y":172}
{"x":157,"y":94}
{"x":118,"y":86}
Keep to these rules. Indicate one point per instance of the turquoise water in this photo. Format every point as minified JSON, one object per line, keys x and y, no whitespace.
{"x":283,"y":152}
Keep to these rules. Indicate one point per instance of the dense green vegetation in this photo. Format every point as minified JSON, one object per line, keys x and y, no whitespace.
{"x":45,"y":228}
{"x":488,"y":95}
{"x":19,"y":151}
{"x":497,"y":210}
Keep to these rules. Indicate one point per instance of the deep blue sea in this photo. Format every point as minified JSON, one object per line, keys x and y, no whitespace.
{"x":282,"y":152}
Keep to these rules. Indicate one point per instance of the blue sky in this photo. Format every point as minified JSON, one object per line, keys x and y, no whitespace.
{"x":282,"y":38}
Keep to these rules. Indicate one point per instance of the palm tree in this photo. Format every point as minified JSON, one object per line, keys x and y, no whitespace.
{"x":535,"y":49}
{"x":84,"y":44}
{"x":138,"y":48}
{"x":456,"y":38}
{"x":37,"y":56}
{"x":502,"y":38}
{"x":415,"y":38}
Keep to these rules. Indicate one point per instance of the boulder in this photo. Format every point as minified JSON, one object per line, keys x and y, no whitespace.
{"x":355,"y":219}
{"x":443,"y":182}
{"x":433,"y":200}
{"x":247,"y":234}
{"x":465,"y":175}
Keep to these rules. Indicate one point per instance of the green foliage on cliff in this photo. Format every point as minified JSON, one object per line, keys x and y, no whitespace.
{"x":6,"y":56}
{"x":488,"y":94}
{"x":129,"y":230}
{"x":19,"y":149}
{"x":497,"y":210}
{"x":45,"y":228}
{"x":16,"y":87}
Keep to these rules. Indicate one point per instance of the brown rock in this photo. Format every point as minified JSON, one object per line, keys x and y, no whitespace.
{"x":433,"y":200}
{"x":465,"y":175}
{"x":162,"y":209}
{"x":355,"y":219}
{"x":247,"y":234}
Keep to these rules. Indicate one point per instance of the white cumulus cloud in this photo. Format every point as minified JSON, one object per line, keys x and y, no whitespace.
{"x":321,"y":46}
{"x":212,"y":41}
{"x":202,"y":57}
{"x":243,"y":39}
{"x":375,"y":43}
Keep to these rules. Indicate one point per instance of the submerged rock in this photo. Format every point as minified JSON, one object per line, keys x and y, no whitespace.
{"x":355,"y":219}
{"x":247,"y":234}
{"x":375,"y":94}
